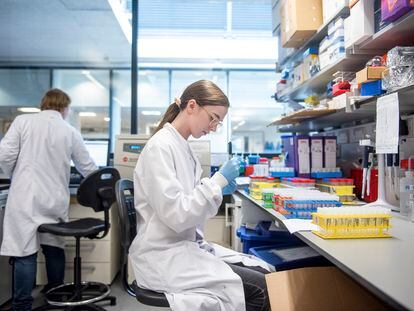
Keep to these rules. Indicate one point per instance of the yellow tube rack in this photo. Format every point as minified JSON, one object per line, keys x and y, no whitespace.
{"x":352,"y":226}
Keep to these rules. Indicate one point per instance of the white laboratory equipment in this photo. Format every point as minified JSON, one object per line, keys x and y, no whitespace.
{"x":128,"y":147}
{"x":127,"y":150}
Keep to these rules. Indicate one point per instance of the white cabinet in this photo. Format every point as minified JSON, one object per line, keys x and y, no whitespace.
{"x":100,"y":258}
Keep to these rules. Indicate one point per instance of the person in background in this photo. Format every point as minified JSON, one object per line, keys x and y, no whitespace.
{"x":169,"y":253}
{"x":36,"y":153}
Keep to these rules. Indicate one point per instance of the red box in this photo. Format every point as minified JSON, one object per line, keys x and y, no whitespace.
{"x":340,"y":88}
{"x":356,"y":174}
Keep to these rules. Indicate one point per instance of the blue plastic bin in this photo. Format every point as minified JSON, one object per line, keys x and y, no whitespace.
{"x":262,"y":228}
{"x":251,"y":238}
{"x":372,"y":88}
{"x":290,"y":257}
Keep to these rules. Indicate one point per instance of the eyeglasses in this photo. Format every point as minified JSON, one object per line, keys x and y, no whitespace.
{"x":214,"y":121}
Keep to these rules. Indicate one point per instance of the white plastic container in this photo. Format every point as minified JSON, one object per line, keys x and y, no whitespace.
{"x":407,"y":192}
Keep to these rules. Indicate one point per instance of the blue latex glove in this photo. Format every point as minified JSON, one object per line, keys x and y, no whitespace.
{"x":231,"y":169}
{"x":230,"y":188}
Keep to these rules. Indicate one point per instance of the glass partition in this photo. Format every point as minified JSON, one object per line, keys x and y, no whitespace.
{"x":21,"y":91}
{"x":89,"y":92}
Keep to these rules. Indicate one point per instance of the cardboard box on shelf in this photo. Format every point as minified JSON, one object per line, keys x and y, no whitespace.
{"x":310,"y":66}
{"x":369,"y":74}
{"x":352,"y":3}
{"x":298,"y":75}
{"x":360,"y":24}
{"x":300,"y":19}
{"x":331,"y":7}
{"x":392,"y":10}
{"x":340,"y":101}
{"x":312,"y":289}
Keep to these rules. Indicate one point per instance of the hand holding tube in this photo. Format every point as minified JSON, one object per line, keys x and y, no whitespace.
{"x":230,"y":188}
{"x":231,"y":169}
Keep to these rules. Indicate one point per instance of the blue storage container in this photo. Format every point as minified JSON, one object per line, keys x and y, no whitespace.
{"x":372,"y":88}
{"x":263,"y":228}
{"x":290,"y":257}
{"x":251,"y":238}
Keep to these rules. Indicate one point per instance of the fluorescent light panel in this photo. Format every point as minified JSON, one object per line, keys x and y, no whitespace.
{"x":87,"y":114}
{"x":28,"y":109}
{"x":151,"y":113}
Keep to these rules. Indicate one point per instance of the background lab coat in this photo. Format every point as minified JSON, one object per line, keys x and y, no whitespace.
{"x":171,"y":203}
{"x":36,"y":153}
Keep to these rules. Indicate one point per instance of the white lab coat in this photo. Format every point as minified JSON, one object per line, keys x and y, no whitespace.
{"x":171,"y":203}
{"x":36,"y":153}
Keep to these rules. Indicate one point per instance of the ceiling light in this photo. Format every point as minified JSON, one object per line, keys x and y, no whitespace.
{"x":87,"y":114}
{"x":241,"y":123}
{"x":92,"y":79}
{"x":107,"y":119}
{"x":151,"y":113}
{"x":28,"y":109}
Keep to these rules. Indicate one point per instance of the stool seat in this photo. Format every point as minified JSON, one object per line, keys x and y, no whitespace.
{"x":149,"y":297}
{"x":78,"y":228}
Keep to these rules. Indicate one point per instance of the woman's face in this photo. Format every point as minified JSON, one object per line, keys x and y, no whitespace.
{"x":206,"y":119}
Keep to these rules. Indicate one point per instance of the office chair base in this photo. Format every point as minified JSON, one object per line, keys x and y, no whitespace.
{"x":70,"y":295}
{"x":90,"y":307}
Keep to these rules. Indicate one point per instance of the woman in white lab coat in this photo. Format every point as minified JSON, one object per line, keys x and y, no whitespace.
{"x":36,"y":153}
{"x":168,"y":254}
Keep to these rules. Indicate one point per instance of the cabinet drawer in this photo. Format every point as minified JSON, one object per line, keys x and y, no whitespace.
{"x":97,"y":272}
{"x":90,"y":251}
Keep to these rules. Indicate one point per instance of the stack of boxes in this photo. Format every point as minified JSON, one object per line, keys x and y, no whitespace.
{"x":313,"y":156}
{"x":370,"y":80}
{"x":332,"y":47}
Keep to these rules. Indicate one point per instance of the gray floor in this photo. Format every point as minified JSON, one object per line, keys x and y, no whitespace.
{"x":124,"y":301}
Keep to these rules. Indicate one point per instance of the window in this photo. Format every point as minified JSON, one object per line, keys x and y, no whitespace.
{"x":252,"y":109}
{"x":153,"y":100}
{"x":20,"y":88}
{"x":89,"y":92}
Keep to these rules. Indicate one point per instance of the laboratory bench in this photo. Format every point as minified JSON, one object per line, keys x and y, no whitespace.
{"x":385,"y":266}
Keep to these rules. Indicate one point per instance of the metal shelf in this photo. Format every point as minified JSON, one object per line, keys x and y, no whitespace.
{"x":321,"y":33}
{"x":400,"y":32}
{"x":317,"y":84}
{"x":365,"y":112}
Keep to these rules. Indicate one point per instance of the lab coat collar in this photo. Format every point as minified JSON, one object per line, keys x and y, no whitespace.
{"x":186,"y":145}
{"x":51,"y":112}
{"x":174,"y":131}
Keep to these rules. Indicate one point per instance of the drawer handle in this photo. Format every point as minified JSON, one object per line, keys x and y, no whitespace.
{"x":85,"y":248}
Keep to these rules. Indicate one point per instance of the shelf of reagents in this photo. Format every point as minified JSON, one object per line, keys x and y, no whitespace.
{"x":363,"y":111}
{"x":315,"y":39}
{"x":400,"y":32}
{"x":317,"y":84}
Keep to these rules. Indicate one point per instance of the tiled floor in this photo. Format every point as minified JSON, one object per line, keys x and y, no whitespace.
{"x":124,"y":301}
